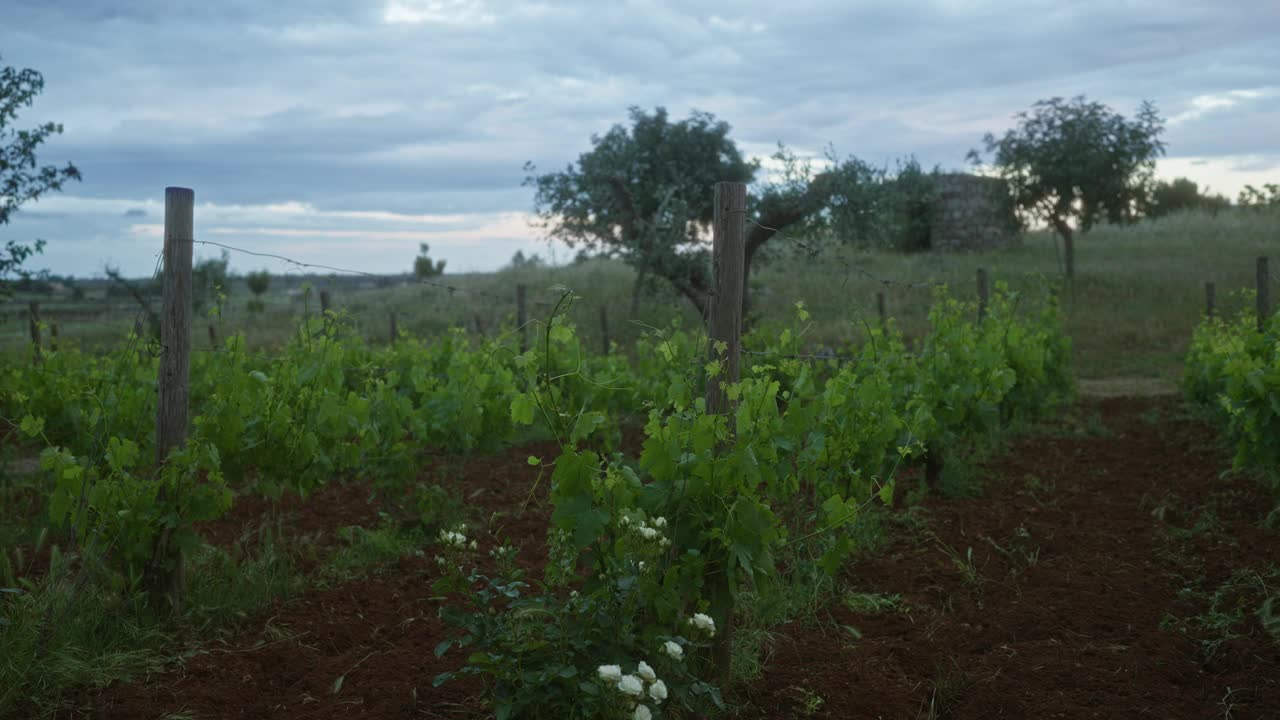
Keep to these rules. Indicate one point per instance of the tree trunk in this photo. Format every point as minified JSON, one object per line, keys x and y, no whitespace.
{"x":642,"y":274}
{"x":1068,"y":246}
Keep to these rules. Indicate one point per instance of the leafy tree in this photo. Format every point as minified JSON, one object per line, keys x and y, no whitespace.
{"x":1181,"y":194}
{"x":21,"y":179}
{"x":258,"y":283}
{"x":519,"y":261}
{"x":208,"y":280}
{"x":424,"y":267}
{"x":1073,"y":163}
{"x":644,"y":194}
{"x":1266,"y":196}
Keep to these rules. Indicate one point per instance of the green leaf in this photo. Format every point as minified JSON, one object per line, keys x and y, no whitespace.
{"x":522,"y":407}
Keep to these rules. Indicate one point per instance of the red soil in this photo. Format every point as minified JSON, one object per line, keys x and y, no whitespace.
{"x":1078,"y":633}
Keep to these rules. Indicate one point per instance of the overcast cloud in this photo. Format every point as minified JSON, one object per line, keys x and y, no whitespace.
{"x":345,"y":133}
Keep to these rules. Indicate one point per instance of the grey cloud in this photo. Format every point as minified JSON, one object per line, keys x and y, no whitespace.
{"x":321,"y":102}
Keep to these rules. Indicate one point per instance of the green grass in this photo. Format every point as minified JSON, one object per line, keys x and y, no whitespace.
{"x":1139,"y":291}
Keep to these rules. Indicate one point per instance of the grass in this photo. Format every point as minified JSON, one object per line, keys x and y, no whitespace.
{"x":63,"y":634}
{"x":1138,"y":293}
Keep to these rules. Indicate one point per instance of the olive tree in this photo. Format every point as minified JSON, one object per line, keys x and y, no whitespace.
{"x":1073,"y":163}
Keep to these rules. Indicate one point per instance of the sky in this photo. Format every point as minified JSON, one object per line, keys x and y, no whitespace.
{"x":346,"y":132}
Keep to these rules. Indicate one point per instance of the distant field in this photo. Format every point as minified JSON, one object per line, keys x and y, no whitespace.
{"x":1138,"y":292}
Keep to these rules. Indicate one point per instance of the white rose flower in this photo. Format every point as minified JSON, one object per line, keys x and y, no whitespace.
{"x":640,"y":565}
{"x":609,"y":673}
{"x":631,"y":685}
{"x":625,"y":521}
{"x":665,"y":542}
{"x":658,"y":691}
{"x":648,"y":533}
{"x":704,"y":623}
{"x":472,"y":545}
{"x":660,"y":522}
{"x":673,"y":650}
{"x":646,"y":672}
{"x":642,"y":713}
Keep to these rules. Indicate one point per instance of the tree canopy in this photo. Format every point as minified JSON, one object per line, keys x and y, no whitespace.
{"x":423,"y":266}
{"x":1073,"y":163}
{"x":643,"y":193}
{"x":22,"y":178}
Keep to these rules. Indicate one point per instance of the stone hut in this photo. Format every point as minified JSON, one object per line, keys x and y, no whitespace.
{"x":967,"y":214}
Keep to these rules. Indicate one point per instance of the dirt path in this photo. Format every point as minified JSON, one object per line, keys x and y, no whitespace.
{"x":1056,"y":595}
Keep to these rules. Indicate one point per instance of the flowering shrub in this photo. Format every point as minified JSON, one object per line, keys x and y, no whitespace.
{"x":554,"y":652}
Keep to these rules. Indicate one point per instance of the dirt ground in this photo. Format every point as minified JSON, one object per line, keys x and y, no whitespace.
{"x":1057,"y":594}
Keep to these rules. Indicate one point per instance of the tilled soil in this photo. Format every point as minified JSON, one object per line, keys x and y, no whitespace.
{"x":1056,"y":594}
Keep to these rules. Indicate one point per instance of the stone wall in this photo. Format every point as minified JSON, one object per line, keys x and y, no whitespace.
{"x":967,"y":215}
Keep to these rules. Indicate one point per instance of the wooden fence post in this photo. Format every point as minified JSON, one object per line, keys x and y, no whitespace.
{"x":1264,"y":293}
{"x":213,"y":337}
{"x":324,"y":301}
{"x":395,"y":331}
{"x":33,"y":316}
{"x":982,"y":294}
{"x":1209,"y":299}
{"x":522,"y":317}
{"x":605,"y":343}
{"x":53,"y":335}
{"x":880,"y":309}
{"x":166,"y":572}
{"x":728,"y":275}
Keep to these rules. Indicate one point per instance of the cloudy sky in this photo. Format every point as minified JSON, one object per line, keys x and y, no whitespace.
{"x":345,"y":132}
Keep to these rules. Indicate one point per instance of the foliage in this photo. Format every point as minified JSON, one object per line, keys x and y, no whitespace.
{"x":209,"y":280}
{"x":1266,"y":196}
{"x":639,"y":550}
{"x":423,"y":266}
{"x":22,"y":180}
{"x":1233,"y":374}
{"x":258,"y":282}
{"x":643,"y":194}
{"x":520,"y":262}
{"x":1071,"y":164}
{"x":1181,"y":194}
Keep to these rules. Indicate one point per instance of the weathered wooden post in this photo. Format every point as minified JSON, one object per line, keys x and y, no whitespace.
{"x":1209,"y":293}
{"x":522,"y":317}
{"x":33,"y":316}
{"x":324,"y":301}
{"x":725,"y":317}
{"x":982,"y":294}
{"x":1264,"y":293}
{"x":605,"y":342}
{"x":395,"y":331}
{"x":880,"y":309}
{"x":166,"y":573}
{"x":213,"y":337}
{"x":53,"y":335}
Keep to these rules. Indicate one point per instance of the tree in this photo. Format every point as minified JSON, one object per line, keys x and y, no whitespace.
{"x":521,"y":262}
{"x":1181,"y":194}
{"x":1267,"y":196}
{"x":258,"y":283}
{"x":1073,"y":163}
{"x":424,"y":267}
{"x":209,"y":280}
{"x":644,"y":194}
{"x":22,"y":180}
